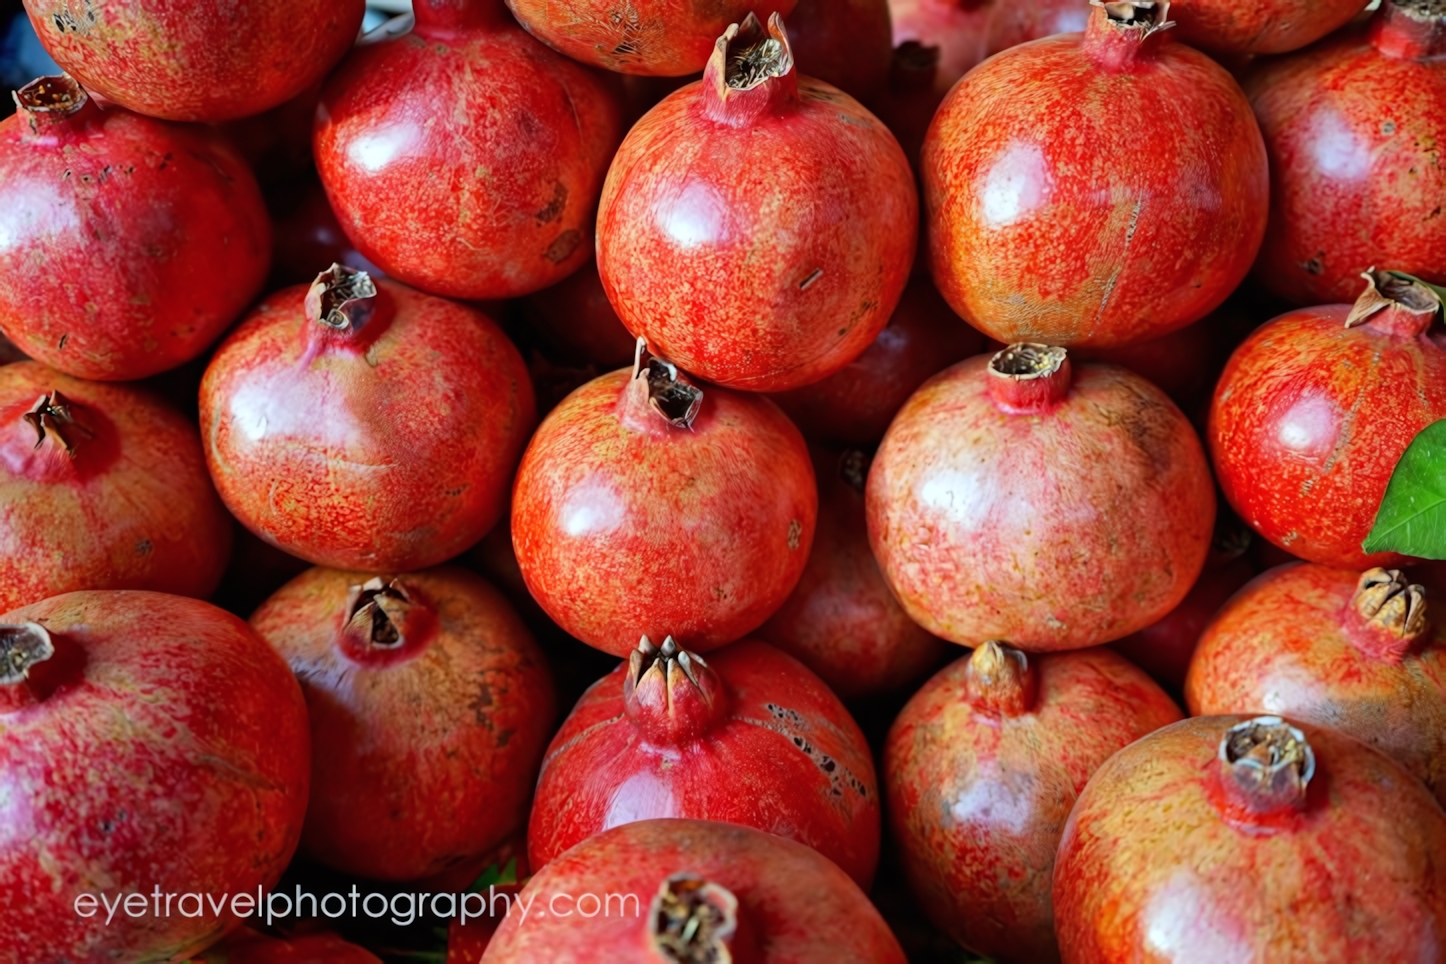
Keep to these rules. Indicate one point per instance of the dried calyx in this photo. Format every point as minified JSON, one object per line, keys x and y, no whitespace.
{"x":1024,"y":361}
{"x":21,"y":647}
{"x":670,"y":694}
{"x":999,"y":681}
{"x":54,"y":417}
{"x":692,"y":921}
{"x":1145,"y":16}
{"x":341,"y":298}
{"x":669,"y":393}
{"x":1028,"y":377}
{"x":1398,"y":302}
{"x":376,"y":613}
{"x":51,"y":95}
{"x":752,"y":56}
{"x":1390,"y":611}
{"x":1268,"y":763}
{"x":1423,"y":10}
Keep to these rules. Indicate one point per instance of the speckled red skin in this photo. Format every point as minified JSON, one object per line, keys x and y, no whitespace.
{"x":798,"y":906}
{"x":206,"y":60}
{"x":168,"y":748}
{"x":248,"y":946}
{"x":847,"y":43}
{"x":1351,"y":126}
{"x":1012,"y":24}
{"x":126,"y":245}
{"x":425,"y":755}
{"x":1071,"y":527}
{"x":959,"y":28}
{"x":759,"y":239}
{"x":1285,"y":645}
{"x":855,"y":404}
{"x":660,"y":38}
{"x":1227,"y":28}
{"x":1145,"y":226}
{"x":465,"y":157}
{"x":425,"y":411}
{"x":1308,"y":422}
{"x":578,"y":323}
{"x":625,"y":526}
{"x":977,"y":801}
{"x":1151,"y":870}
{"x":133,"y":509}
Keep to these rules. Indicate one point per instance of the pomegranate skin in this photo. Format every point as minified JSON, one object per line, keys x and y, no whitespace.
{"x":792,"y":905}
{"x":626,"y":525}
{"x":1155,"y":865}
{"x":426,"y":743}
{"x":957,"y":28}
{"x":759,"y":238}
{"x":163,"y":746}
{"x":1228,"y":28}
{"x":1057,"y":521}
{"x":127,"y":245}
{"x":426,"y":404}
{"x":1292,"y":644}
{"x":1351,"y":126}
{"x":1145,"y":226}
{"x":198,"y":61}
{"x":576,"y":320}
{"x":658,"y":38}
{"x":846,"y":43}
{"x":1012,"y":24}
{"x":133,"y":508}
{"x":464,"y":157}
{"x":982,"y":767}
{"x":758,"y":741}
{"x":842,"y":621}
{"x":309,"y":240}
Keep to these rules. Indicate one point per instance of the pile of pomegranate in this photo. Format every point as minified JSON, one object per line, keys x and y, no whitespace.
{"x":756,"y":481}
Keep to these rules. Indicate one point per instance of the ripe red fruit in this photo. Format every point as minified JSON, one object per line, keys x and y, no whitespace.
{"x":1011,"y":24}
{"x":1224,"y":838}
{"x":430,"y":707}
{"x":1352,"y":127}
{"x":646,"y":506}
{"x":364,"y":425}
{"x":748,"y":737}
{"x":1019,"y":498}
{"x":1242,"y":27}
{"x":757,"y":227}
{"x":1334,"y":648}
{"x":577,"y":322}
{"x":660,"y":38}
{"x":982,"y":767}
{"x":957,"y":28}
{"x":248,"y":946}
{"x":693,"y":890}
{"x":199,"y":61}
{"x":465,"y":157}
{"x":1315,"y":409}
{"x":1053,"y":219}
{"x":152,"y":743}
{"x":847,"y":43}
{"x":1184,"y":363}
{"x":126,"y":245}
{"x":103,"y":487}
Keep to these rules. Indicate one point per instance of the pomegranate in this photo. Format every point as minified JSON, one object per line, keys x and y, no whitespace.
{"x":1228,"y":28}
{"x":647,"y":506}
{"x":247,"y":946}
{"x":465,"y":157}
{"x":757,"y":227}
{"x":855,"y":404}
{"x":153,"y":744}
{"x":1335,"y":648}
{"x":908,"y":104}
{"x":198,"y":61}
{"x":1226,"y":838}
{"x":1315,"y":409}
{"x":842,"y":621}
{"x":1020,"y":21}
{"x":361,"y":424}
{"x":577,"y":322}
{"x":981,"y":768}
{"x":1185,"y":363}
{"x":1017,"y":497}
{"x":957,"y":28}
{"x":1351,"y":126}
{"x":660,"y":38}
{"x":430,"y":707}
{"x":127,"y":245}
{"x":693,"y":890}
{"x":847,"y":43}
{"x":308,"y":240}
{"x":1141,"y":226}
{"x":103,"y":487}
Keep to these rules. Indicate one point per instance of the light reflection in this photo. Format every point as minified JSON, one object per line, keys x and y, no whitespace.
{"x":1016,"y":186}
{"x":695,"y":216}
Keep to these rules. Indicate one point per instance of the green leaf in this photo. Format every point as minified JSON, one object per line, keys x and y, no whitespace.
{"x":1412,"y":517}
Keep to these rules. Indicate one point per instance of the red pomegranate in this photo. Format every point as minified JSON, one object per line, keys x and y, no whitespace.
{"x":855,"y":404}
{"x":645,"y":505}
{"x":247,"y":946}
{"x":308,"y":240}
{"x":1226,"y":838}
{"x":748,"y":736}
{"x":102,"y":487}
{"x":206,"y":60}
{"x":1011,"y":24}
{"x":660,"y":38}
{"x":957,"y":28}
{"x":847,"y":43}
{"x":908,"y":104}
{"x":127,"y":245}
{"x":1315,"y":409}
{"x":465,"y":157}
{"x":364,"y":425}
{"x":1332,"y":647}
{"x":1184,"y":363}
{"x":1351,"y":126}
{"x":981,"y":768}
{"x":1052,"y":218}
{"x":757,"y":227}
{"x":1018,"y":497}
{"x":577,"y":322}
{"x":1241,"y":27}
{"x":430,"y":707}
{"x":693,"y":890}
{"x":153,"y":745}
{"x":842,"y":621}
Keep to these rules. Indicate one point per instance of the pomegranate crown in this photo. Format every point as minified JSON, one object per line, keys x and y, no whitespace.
{"x":53,"y":417}
{"x":1269,"y":763}
{"x":341,"y":298}
{"x":669,"y":393}
{"x":22,"y":645}
{"x":376,"y":613}
{"x":670,"y":694}
{"x":1389,"y":614}
{"x":999,"y":680}
{"x":1405,"y":294}
{"x":60,"y":94}
{"x":1145,"y":16}
{"x":693,"y":920}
